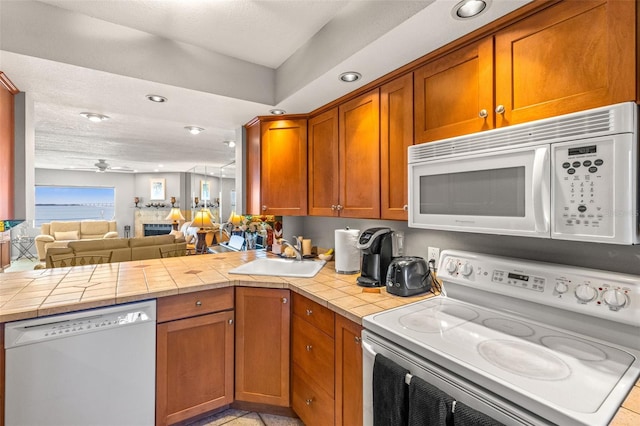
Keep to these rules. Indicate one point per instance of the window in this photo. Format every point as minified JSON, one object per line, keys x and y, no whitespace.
{"x":73,"y":203}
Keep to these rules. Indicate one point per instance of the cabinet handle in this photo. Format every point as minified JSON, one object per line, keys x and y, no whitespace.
{"x":500,"y":109}
{"x":357,"y":340}
{"x":308,"y":348}
{"x":308,"y":401}
{"x":405,"y":207}
{"x":309,"y":312}
{"x":285,"y":300}
{"x":264,"y":208}
{"x":198,"y":303}
{"x":339,"y":207}
{"x":333,"y":207}
{"x":483,"y":113}
{"x":230,"y":321}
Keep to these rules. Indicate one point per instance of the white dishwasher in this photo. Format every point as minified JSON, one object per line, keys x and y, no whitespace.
{"x":94,"y":367}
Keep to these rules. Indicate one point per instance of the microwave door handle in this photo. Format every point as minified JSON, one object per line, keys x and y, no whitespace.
{"x":540,"y":188}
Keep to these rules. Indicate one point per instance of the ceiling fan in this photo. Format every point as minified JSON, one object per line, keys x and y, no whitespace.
{"x":102,"y":166}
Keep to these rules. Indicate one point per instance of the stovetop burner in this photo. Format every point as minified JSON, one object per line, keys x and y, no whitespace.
{"x":438,"y":319}
{"x":524,"y":359}
{"x":578,"y":349}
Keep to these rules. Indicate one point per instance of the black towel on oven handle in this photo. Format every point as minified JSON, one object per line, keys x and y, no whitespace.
{"x":463,"y":415}
{"x":428,"y":405}
{"x":390,"y":399}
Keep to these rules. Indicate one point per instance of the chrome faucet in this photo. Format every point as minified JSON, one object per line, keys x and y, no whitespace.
{"x":297,"y":247}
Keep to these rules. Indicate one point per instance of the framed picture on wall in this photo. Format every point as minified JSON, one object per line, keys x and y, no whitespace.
{"x":205,"y":190}
{"x":157,"y":189}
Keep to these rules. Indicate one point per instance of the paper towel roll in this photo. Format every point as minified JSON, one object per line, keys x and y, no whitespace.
{"x":347,"y":258}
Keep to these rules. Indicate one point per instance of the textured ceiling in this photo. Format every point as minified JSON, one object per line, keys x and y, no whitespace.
{"x":219,"y":62}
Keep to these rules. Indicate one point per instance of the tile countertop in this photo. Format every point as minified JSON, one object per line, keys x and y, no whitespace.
{"x":45,"y":292}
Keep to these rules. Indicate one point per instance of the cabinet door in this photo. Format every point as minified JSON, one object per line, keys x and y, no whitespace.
{"x":348,"y":373}
{"x":253,"y":202}
{"x":572,"y":56}
{"x":359,"y":129}
{"x":396,"y":135}
{"x":324,"y":188}
{"x":194,"y":372}
{"x":453,"y":93}
{"x":284,"y":167}
{"x":262,"y":345}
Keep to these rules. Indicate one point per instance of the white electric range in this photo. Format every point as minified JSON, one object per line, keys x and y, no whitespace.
{"x":523,"y":342}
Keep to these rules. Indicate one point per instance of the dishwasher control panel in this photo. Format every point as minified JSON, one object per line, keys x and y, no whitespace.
{"x":68,"y":325}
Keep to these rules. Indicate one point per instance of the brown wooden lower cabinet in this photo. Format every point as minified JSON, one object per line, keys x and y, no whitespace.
{"x":348,"y":372}
{"x":326,"y":366}
{"x":194,"y":358}
{"x":262,"y":346}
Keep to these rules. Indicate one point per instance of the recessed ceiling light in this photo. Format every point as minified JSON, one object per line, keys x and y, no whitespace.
{"x":96,"y":118}
{"x":230,"y":144}
{"x":194,"y":130}
{"x":350,"y":76}
{"x":157,"y":98}
{"x":277,"y":111}
{"x":469,"y":8}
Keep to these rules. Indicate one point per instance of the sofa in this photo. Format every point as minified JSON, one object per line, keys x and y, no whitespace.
{"x":59,"y":234}
{"x":121,"y":249}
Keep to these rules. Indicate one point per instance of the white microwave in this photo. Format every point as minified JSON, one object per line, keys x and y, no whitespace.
{"x":572,"y":177}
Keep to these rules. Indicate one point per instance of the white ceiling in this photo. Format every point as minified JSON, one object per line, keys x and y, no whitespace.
{"x":219,"y":62}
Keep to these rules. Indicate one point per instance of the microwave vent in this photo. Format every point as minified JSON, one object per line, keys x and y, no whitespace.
{"x":583,"y":125}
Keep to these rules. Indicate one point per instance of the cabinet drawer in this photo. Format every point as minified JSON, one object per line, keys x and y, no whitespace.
{"x":313,"y":313}
{"x":313,"y":405}
{"x":314,"y":353}
{"x":192,"y":304}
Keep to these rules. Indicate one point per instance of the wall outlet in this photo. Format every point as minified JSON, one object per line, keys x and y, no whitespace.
{"x":433,"y":253}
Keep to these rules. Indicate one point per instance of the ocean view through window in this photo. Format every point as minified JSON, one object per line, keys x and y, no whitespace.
{"x":73,"y":203}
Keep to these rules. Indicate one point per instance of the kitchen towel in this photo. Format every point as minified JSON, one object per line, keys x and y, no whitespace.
{"x":428,"y":405}
{"x":347,"y":260}
{"x":390,"y":399}
{"x":463,"y":415}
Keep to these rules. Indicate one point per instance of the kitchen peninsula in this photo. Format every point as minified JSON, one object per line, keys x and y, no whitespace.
{"x":176,"y":281}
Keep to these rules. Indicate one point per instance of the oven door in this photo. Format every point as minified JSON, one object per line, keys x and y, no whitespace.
{"x":505,"y":192}
{"x":455,"y":386}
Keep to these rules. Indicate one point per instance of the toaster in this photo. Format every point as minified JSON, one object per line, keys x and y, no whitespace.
{"x":408,"y":276}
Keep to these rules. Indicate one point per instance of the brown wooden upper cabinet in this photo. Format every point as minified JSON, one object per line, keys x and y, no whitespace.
{"x":324,"y":187}
{"x":396,"y":135}
{"x":572,"y":56}
{"x":277,"y":167}
{"x":454,"y":94}
{"x":355,"y":162}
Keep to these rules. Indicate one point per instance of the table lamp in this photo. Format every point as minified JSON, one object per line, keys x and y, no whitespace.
{"x":175,"y":214}
{"x":202,"y":220}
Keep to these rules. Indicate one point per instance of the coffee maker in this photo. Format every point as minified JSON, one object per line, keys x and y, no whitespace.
{"x":378,"y":246}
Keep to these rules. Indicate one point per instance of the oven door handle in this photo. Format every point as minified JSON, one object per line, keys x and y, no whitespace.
{"x":540,"y":184}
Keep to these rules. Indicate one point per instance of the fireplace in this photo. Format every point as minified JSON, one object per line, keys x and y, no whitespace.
{"x":156,"y":229}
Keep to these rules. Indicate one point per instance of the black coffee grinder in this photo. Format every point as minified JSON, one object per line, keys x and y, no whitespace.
{"x":378,"y":246}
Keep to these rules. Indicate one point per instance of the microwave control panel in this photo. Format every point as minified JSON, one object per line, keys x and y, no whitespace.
{"x":583,"y":188}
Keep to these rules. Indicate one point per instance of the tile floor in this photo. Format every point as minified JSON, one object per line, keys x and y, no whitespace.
{"x":232,"y":417}
{"x":21,"y":265}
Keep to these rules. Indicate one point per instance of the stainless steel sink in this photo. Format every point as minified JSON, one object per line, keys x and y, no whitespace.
{"x":280,"y":267}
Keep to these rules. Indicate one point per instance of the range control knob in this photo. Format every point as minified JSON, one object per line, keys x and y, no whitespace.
{"x":585,"y":293}
{"x":615,"y":298}
{"x":452,"y":266}
{"x":466,"y":269}
{"x":561,"y":287}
